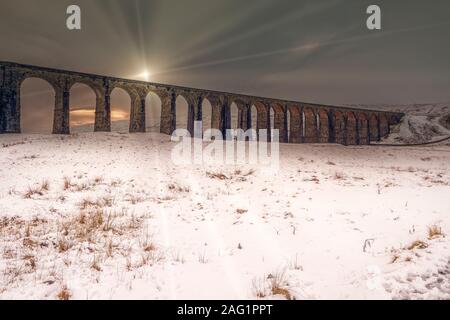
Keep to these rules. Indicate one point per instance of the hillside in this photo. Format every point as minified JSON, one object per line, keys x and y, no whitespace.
{"x":110,"y":216}
{"x":422,"y":123}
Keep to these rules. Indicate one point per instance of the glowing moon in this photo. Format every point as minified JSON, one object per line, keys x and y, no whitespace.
{"x":145,"y":75}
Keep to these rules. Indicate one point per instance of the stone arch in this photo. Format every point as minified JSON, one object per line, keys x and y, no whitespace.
{"x":339,"y":127}
{"x":216,"y":111}
{"x":182,"y":112}
{"x":36,"y":105}
{"x":206,"y":114}
{"x":363,"y":126}
{"x":102,"y":115}
{"x":309,"y":126}
{"x":120,"y":108}
{"x":234,"y":116}
{"x":352,"y":130}
{"x":295,"y":124}
{"x":153,"y":108}
{"x":137,"y":107}
{"x":96,"y":89}
{"x":278,"y":121}
{"x":244,"y":115}
{"x":263,"y":118}
{"x":384,"y":126}
{"x":324,"y":126}
{"x":51,"y":79}
{"x":373,"y":127}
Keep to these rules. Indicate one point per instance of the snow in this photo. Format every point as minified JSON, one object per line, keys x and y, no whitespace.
{"x":422,"y":122}
{"x":120,"y":221}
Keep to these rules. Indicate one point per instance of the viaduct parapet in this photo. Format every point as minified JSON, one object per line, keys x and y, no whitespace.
{"x":297,"y":122}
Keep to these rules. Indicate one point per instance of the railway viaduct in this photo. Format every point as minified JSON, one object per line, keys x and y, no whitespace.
{"x":297,"y":122}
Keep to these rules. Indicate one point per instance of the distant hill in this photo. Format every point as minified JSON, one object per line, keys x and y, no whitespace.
{"x":422,"y":123}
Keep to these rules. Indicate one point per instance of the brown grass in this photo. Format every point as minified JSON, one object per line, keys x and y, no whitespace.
{"x":45,"y":185}
{"x":63,"y":245}
{"x":134,"y":199}
{"x":12,"y":144}
{"x":64,"y":294}
{"x":146,"y":243}
{"x":100,"y":231}
{"x":39,"y":190}
{"x":277,"y":285}
{"x":434,"y":231}
{"x":96,"y":264}
{"x":81,"y":187}
{"x":259,"y":288}
{"x":219,"y":176}
{"x":339,"y":176}
{"x":30,"y":262}
{"x":395,"y":258}
{"x":67,"y":183}
{"x":282,"y":291}
{"x":98,"y":180}
{"x":241,"y":211}
{"x":98,"y":203}
{"x":176,"y":188}
{"x":31,"y":191}
{"x":249,"y":173}
{"x":418,"y":244}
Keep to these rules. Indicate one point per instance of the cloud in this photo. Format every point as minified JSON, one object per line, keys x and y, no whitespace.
{"x":80,"y":116}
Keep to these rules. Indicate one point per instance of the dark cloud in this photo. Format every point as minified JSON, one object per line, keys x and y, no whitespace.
{"x":311,"y":50}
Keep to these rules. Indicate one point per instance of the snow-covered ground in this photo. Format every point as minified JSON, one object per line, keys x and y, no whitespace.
{"x":109,"y":216}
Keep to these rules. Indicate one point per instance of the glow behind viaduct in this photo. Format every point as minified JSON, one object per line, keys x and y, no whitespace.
{"x":309,"y":123}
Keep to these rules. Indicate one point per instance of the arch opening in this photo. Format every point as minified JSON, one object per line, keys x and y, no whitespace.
{"x":262,"y":120}
{"x":37,"y":104}
{"x":120,"y":110}
{"x":182,"y":113}
{"x":153,"y":109}
{"x":206,"y":114}
{"x":82,"y":108}
{"x":294,"y":124}
{"x":234,"y":116}
{"x":272,"y":122}
{"x":309,"y":126}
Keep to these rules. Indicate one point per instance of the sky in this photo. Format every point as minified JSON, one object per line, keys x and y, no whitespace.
{"x":304,"y":50}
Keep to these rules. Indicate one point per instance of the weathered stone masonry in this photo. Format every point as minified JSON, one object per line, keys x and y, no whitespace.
{"x":308,"y":123}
